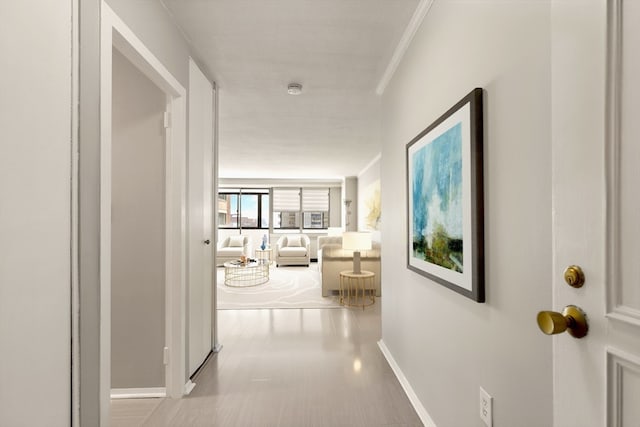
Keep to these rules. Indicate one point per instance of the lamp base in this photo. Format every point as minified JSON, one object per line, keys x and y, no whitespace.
{"x":356,"y":262}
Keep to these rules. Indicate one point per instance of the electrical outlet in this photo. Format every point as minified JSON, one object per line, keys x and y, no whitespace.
{"x":486,"y":407}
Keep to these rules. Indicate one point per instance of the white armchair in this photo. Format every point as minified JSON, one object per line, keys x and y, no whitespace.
{"x":232,"y":248}
{"x":293,"y":249}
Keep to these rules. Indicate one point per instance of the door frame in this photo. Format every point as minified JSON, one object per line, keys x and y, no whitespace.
{"x":116,"y":34}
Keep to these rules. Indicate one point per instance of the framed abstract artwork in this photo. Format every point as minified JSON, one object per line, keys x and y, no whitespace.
{"x":445,"y":199}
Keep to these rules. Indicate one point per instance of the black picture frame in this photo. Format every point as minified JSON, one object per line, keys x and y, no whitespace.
{"x":445,"y":199}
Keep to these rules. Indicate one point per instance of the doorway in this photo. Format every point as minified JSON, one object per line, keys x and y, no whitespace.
{"x":118,"y":36}
{"x":137,"y":232}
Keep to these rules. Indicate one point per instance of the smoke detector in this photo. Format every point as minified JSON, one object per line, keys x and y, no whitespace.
{"x":294,"y":89}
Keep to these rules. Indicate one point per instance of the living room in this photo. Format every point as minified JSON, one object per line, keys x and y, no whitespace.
{"x":265,"y":211}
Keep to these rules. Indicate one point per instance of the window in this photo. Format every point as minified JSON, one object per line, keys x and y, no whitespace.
{"x":293,"y":208}
{"x":296,"y":207}
{"x":249,"y":205}
{"x":315,"y":207}
{"x":244,"y":208}
{"x":286,"y":208}
{"x":264,"y":211}
{"x":228,"y":210}
{"x":315,"y":220}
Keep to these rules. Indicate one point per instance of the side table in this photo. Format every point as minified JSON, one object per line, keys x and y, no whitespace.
{"x":265,"y":254}
{"x":354,"y":287}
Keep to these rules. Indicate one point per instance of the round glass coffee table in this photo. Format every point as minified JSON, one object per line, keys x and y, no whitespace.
{"x":252,"y":273}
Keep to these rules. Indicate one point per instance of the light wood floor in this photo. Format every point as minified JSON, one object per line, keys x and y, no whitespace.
{"x":289,"y":368}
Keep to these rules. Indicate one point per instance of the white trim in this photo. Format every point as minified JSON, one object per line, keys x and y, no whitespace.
{"x":406,"y":386}
{"x":625,"y":314}
{"x":612,"y":154}
{"x":138,"y":393}
{"x":115,"y":33}
{"x":106,"y":67}
{"x":416,"y":20}
{"x":188,"y":387}
{"x":135,"y":51}
{"x":75,"y":223}
{"x":175,"y":314}
{"x":216,"y":346}
{"x":617,"y":361}
{"x":616,"y":308}
{"x":370,"y":164}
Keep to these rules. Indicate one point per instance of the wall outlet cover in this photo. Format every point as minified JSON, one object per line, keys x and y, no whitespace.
{"x":486,"y":407}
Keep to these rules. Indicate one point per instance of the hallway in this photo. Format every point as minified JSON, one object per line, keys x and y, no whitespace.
{"x":293,"y":368}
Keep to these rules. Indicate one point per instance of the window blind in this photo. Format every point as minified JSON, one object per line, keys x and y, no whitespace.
{"x":286,"y":199}
{"x":315,"y":199}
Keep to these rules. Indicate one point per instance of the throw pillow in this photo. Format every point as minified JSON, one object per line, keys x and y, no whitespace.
{"x":293,"y":241}
{"x":236,"y":241}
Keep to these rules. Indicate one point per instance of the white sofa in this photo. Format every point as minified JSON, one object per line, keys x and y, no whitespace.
{"x":232,"y":248}
{"x":293,"y":249}
{"x":332,"y":259}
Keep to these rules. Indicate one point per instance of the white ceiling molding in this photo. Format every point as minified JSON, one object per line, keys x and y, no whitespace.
{"x":371,"y":163}
{"x":416,"y":20}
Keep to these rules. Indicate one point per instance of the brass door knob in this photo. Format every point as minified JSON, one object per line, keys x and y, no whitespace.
{"x":572,"y":319}
{"x":574,"y":276}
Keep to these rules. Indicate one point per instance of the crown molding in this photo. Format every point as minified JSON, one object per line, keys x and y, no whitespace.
{"x":416,"y":20}
{"x":371,"y":163}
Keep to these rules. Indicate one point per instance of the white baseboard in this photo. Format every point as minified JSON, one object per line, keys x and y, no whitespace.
{"x":188,"y":387}
{"x":138,"y":393}
{"x":406,"y":386}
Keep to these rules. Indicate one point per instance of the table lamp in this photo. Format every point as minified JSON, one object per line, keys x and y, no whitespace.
{"x":334,"y":231}
{"x":356,"y":241}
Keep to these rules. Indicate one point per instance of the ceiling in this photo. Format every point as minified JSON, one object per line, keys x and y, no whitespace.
{"x":338,"y":50}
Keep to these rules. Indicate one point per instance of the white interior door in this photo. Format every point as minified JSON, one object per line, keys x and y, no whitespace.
{"x":596,"y":209}
{"x":201,"y":239}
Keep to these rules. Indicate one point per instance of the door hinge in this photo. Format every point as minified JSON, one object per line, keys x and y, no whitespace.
{"x":165,"y":355}
{"x":167,"y":119}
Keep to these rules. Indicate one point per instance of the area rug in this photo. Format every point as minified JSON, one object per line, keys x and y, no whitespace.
{"x":288,"y":287}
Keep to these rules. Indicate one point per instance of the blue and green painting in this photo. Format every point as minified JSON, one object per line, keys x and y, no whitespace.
{"x":437,"y":200}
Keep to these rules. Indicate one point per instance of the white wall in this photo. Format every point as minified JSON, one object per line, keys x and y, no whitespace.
{"x":446,"y":345}
{"x":350,"y":213}
{"x":138,"y":229}
{"x":335,"y":206}
{"x":368,"y":198}
{"x":35,"y":215}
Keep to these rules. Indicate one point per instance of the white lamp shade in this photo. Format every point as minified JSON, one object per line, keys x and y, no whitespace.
{"x":334,"y":231}
{"x":356,"y":240}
